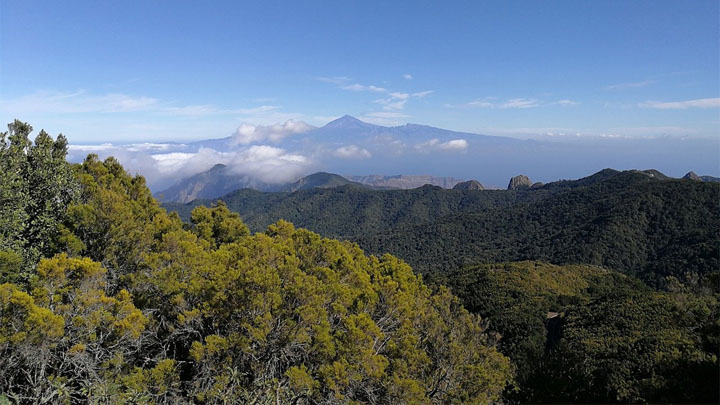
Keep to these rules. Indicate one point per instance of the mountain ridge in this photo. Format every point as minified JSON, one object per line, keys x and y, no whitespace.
{"x":435,"y":229}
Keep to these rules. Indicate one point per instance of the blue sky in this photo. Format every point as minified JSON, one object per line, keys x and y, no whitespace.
{"x":116,"y":71}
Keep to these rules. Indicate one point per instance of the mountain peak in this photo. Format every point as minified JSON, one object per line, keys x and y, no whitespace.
{"x":347,"y":121}
{"x":692,"y":176}
{"x":319,"y":180}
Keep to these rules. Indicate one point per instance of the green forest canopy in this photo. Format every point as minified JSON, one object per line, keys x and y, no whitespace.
{"x":638,"y":223}
{"x":106,"y":297}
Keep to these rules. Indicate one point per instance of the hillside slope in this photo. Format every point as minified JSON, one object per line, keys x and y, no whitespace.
{"x":628,"y":222}
{"x":219,"y":180}
{"x":634,"y":222}
{"x":350,"y":212}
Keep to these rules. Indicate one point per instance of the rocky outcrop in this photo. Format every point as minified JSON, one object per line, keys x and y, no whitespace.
{"x":536,"y":185}
{"x":692,"y":176}
{"x":469,"y":185}
{"x":520,"y":182}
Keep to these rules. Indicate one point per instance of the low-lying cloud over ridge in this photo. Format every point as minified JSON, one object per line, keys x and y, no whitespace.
{"x":352,"y":152}
{"x":284,"y":152}
{"x":436,"y":144}
{"x":247,"y":133}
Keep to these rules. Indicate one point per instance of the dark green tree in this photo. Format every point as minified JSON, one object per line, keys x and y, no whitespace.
{"x":36,"y":186}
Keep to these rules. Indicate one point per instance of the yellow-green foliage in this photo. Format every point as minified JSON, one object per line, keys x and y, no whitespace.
{"x":117,"y":220}
{"x":23,"y":322}
{"x":67,"y":333}
{"x":314,"y":318}
{"x":541,"y":279}
{"x":145,"y":309}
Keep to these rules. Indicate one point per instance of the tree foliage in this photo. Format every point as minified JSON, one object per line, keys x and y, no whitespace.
{"x":582,"y":334}
{"x":639,"y":223}
{"x":648,"y":228}
{"x":36,"y":186}
{"x":107,"y":298}
{"x":133,"y":306}
{"x":639,"y":348}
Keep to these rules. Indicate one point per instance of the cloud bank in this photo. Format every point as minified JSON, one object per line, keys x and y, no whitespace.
{"x":435,"y":144}
{"x":245,"y":152}
{"x":352,"y":152}
{"x":247,"y":133}
{"x":269,"y":164}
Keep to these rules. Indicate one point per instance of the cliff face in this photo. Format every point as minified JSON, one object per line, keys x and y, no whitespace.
{"x":519,"y":182}
{"x":692,"y":176}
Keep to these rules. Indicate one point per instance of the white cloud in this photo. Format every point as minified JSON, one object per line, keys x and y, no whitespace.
{"x":269,"y":164}
{"x":172,"y":162}
{"x":248,"y":133}
{"x":387,"y":118}
{"x":397,"y":100}
{"x":407,"y":76}
{"x":255,"y":110}
{"x":396,"y":105}
{"x":479,"y":104}
{"x":333,"y":80}
{"x":566,"y":102}
{"x":352,"y":152}
{"x":148,"y":146}
{"x":263,"y":162}
{"x":683,"y":105}
{"x":455,"y":144}
{"x":81,"y":102}
{"x":78,"y":102}
{"x":160,"y":170}
{"x":489,"y":102}
{"x":362,"y":87}
{"x":422,"y":93}
{"x":387,"y":114}
{"x":92,"y":148}
{"x":520,"y":103}
{"x":436,"y":144}
{"x":629,"y":85}
{"x":163,"y":164}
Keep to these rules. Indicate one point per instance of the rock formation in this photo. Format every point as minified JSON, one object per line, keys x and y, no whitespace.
{"x":520,"y":182}
{"x":692,"y":176}
{"x":469,"y":185}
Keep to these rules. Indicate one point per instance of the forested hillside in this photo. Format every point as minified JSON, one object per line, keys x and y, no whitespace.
{"x":629,"y":223}
{"x":584,"y":334}
{"x":105,"y":298}
{"x":350,"y":212}
{"x":638,"y":223}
